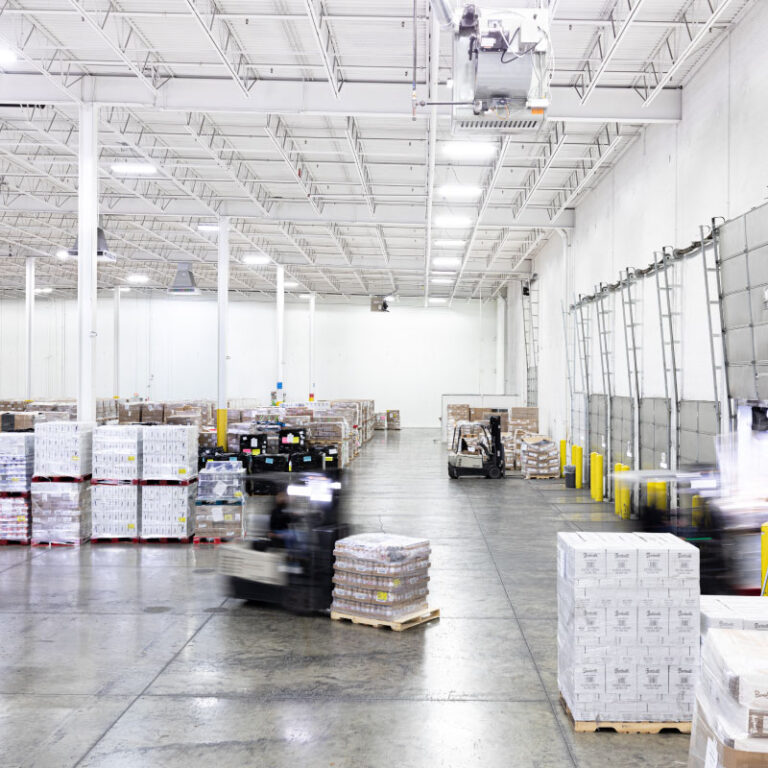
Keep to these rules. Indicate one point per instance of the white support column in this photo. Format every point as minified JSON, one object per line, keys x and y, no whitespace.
{"x":88,"y":216}
{"x":116,"y":344}
{"x":501,"y":344}
{"x":29,"y":326}
{"x":279,"y":325}
{"x":223,"y":315}
{"x":311,"y":347}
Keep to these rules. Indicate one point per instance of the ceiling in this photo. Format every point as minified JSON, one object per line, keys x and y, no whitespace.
{"x":294,"y":118}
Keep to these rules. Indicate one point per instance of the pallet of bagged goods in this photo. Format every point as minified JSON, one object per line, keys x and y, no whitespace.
{"x":382,"y":579}
{"x":539,"y":457}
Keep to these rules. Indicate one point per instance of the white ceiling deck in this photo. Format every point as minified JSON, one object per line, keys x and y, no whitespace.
{"x":234,"y":102}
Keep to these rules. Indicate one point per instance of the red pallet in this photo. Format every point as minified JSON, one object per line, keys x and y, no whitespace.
{"x":169,"y":482}
{"x":103,"y":481}
{"x":60,"y":479}
{"x":115,"y":540}
{"x":14,"y":494}
{"x":166,"y":540}
{"x":215,"y":540}
{"x":12,"y":542}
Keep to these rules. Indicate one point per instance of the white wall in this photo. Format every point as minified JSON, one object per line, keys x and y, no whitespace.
{"x":405,"y":359}
{"x":674,"y":178}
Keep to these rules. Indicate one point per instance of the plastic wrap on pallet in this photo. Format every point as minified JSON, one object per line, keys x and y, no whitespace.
{"x":61,"y":512}
{"x":733,"y":612}
{"x":15,"y":521}
{"x":115,"y":510}
{"x":219,"y":521}
{"x":539,"y":455}
{"x":399,"y":562}
{"x":63,"y":448}
{"x":17,"y":460}
{"x":393,"y":419}
{"x":117,"y":452}
{"x":628,"y":626}
{"x":167,"y":511}
{"x":170,"y":452}
{"x":221,"y":481}
{"x":731,"y":721}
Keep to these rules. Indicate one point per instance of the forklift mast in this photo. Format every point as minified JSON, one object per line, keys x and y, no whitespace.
{"x":495,"y":423}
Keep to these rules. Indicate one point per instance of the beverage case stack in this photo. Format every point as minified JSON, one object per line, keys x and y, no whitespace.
{"x":168,"y":492}
{"x":17,"y":452}
{"x":628,"y":626}
{"x":730,"y":728}
{"x":219,"y":505}
{"x":733,"y":612}
{"x":60,"y":489}
{"x":381,"y":576}
{"x":115,"y":491}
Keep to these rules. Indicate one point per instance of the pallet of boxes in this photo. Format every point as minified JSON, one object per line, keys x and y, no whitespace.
{"x":17,"y":454}
{"x":168,"y":487}
{"x":60,"y":488}
{"x":219,"y":504}
{"x":627,"y":631}
{"x":115,"y":490}
{"x":522,"y":421}
{"x":393,"y":420}
{"x":382,"y":579}
{"x":539,"y":457}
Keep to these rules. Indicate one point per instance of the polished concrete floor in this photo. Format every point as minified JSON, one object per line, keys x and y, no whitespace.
{"x":131,"y":656}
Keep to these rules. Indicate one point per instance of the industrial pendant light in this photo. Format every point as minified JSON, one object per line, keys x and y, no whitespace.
{"x":184,"y":282}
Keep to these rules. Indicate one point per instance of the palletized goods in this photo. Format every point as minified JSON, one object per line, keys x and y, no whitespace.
{"x":167,"y":511}
{"x":539,"y":456}
{"x":17,"y":458}
{"x":14,"y":519}
{"x":117,"y":452}
{"x":170,"y":452}
{"x":61,"y":512}
{"x":63,"y":448}
{"x":115,"y":510}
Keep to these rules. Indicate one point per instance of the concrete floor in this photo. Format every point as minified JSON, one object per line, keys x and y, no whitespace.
{"x":131,"y":656}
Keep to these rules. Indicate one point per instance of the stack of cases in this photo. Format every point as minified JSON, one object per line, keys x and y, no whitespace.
{"x":539,"y":457}
{"x":522,"y":421}
{"x":381,"y":576}
{"x":115,"y":492}
{"x":628,"y":626}
{"x":730,"y":728}
{"x":456,"y":412}
{"x":61,"y":491}
{"x":170,"y":455}
{"x":508,"y":441}
{"x":17,"y":454}
{"x":381,"y":420}
{"x":219,"y":505}
{"x":393,"y":419}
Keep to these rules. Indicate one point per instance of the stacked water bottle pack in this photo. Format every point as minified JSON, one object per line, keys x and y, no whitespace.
{"x":381,"y":575}
{"x":17,"y":451}
{"x":219,"y":505}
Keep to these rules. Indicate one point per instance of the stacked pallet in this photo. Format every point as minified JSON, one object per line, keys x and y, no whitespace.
{"x":332,"y":438}
{"x":115,"y":492}
{"x":60,"y":489}
{"x":16,"y":466}
{"x":380,"y":576}
{"x":219,"y":504}
{"x":733,"y":612}
{"x":522,"y":421}
{"x":730,"y":728}
{"x":539,"y":457}
{"x":167,"y":510}
{"x":456,"y":412}
{"x":628,"y":627}
{"x":508,"y":441}
{"x":393,"y":419}
{"x":381,"y":421}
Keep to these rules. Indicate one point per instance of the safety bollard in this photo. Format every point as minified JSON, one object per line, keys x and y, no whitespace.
{"x":764,"y":556}
{"x":577,"y":457}
{"x":597,"y":477}
{"x":617,"y":484}
{"x":626,"y":496}
{"x":563,"y":461}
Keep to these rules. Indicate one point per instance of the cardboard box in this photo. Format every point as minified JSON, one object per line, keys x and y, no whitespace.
{"x":129,"y":413}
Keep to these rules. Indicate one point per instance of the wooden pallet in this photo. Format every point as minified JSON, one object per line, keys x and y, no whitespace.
{"x":396,"y":626}
{"x":542,"y":477}
{"x":592,"y":726}
{"x":215,"y":540}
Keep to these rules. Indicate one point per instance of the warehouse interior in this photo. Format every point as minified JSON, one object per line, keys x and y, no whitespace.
{"x":383,"y":382}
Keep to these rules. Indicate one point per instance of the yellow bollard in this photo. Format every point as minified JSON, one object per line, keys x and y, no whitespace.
{"x":650,"y":494}
{"x":763,"y":555}
{"x":597,"y":482}
{"x":592,"y":475}
{"x":577,"y":457}
{"x":617,"y":488}
{"x":221,"y":428}
{"x":661,"y":495}
{"x":697,"y":511}
{"x":626,"y":496}
{"x":563,"y":461}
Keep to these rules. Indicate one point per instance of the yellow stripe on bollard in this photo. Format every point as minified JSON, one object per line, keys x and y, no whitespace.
{"x":626,"y":496}
{"x":221,"y":428}
{"x":763,"y":555}
{"x":617,"y":484}
{"x":577,"y":457}
{"x":563,"y":461}
{"x":597,"y":493}
{"x":661,"y":495}
{"x":592,"y":475}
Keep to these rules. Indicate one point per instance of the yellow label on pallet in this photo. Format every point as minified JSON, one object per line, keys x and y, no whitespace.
{"x":182,"y":519}
{"x":238,"y":494}
{"x":396,"y":582}
{"x":382,"y":595}
{"x":131,"y":526}
{"x":21,"y":518}
{"x":228,"y":517}
{"x":182,"y":471}
{"x":131,"y":458}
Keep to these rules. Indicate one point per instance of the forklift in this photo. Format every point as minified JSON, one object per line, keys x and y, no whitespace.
{"x":488,"y":458}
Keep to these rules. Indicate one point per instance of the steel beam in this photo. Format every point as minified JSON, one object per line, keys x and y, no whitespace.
{"x":356,"y":147}
{"x":544,"y":161}
{"x":325,"y":43}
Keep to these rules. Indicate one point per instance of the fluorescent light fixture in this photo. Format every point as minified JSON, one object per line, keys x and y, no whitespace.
{"x":43,"y":290}
{"x":444,"y":273}
{"x":449,"y":243}
{"x":207,"y":227}
{"x":441,"y":280}
{"x":437,"y":300}
{"x":133,"y":169}
{"x":125,"y":289}
{"x":62,"y":254}
{"x":305,"y":295}
{"x":469,"y":150}
{"x":459,"y":191}
{"x":137,"y":279}
{"x":7,"y":57}
{"x":449,"y":220}
{"x":446,"y":261}
{"x":255,"y":259}
{"x":290,"y":284}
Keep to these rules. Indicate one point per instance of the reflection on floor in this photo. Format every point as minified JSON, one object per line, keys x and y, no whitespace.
{"x":131,"y":656}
